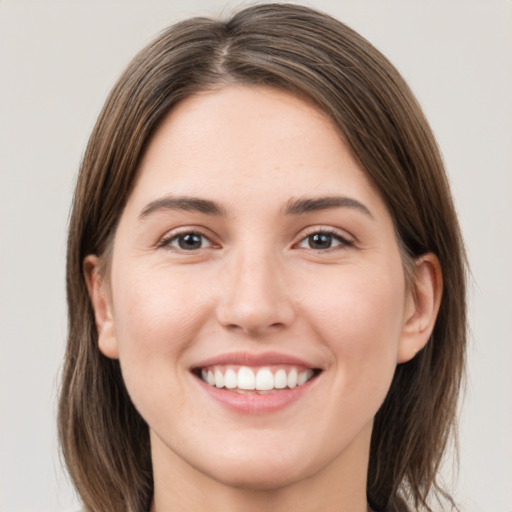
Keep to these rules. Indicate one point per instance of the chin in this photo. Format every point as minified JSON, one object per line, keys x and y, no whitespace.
{"x":274,"y":471}
{"x":258,"y":478}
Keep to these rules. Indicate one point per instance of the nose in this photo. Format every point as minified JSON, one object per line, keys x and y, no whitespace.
{"x":254,"y":297}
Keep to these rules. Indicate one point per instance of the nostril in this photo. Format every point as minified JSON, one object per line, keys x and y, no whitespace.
{"x":255,"y":307}
{"x":254,"y":328}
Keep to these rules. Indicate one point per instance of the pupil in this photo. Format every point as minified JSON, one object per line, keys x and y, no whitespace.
{"x":320,"y":241}
{"x":190,"y":241}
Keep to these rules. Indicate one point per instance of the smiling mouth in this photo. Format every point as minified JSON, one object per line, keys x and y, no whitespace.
{"x":251,"y":380}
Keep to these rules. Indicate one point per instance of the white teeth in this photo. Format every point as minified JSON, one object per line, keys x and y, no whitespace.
{"x":280,"y":381}
{"x":304,"y":377}
{"x":292,"y":378}
{"x":246,"y":379}
{"x":230,"y":379}
{"x":262,"y":380}
{"x":219,"y":379}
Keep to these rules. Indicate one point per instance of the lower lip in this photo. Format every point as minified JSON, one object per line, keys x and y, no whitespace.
{"x":253,"y":403}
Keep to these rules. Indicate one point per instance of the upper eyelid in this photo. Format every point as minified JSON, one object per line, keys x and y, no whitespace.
{"x":175,"y":233}
{"x":304,"y":233}
{"x":311,"y":230}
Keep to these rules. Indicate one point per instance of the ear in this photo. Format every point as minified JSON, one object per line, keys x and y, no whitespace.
{"x":422,"y":306}
{"x":100,"y":299}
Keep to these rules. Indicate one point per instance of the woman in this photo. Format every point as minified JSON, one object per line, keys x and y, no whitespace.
{"x":266,"y":279}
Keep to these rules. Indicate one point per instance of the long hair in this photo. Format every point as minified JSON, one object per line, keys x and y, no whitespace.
{"x":104,"y":440}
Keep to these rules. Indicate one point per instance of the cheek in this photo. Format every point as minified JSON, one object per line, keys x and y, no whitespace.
{"x":157,"y":317}
{"x":359,"y":318}
{"x":155,"y":308}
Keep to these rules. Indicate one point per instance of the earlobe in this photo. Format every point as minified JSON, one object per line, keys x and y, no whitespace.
{"x":423,"y":301}
{"x":98,"y":294}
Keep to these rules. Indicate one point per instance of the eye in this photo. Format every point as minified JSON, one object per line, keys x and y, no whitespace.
{"x":189,"y":241}
{"x":323,"y":240}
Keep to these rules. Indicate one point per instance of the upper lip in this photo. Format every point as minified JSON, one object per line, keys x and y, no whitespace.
{"x":253,"y":359}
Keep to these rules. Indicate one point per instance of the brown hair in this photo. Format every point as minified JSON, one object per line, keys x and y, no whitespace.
{"x":104,"y":440}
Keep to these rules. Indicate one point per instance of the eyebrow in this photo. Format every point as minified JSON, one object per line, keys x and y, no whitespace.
{"x":293,"y":207}
{"x":308,"y":205}
{"x":189,"y":204}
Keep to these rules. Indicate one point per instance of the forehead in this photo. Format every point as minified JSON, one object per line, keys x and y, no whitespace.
{"x":244,"y":142}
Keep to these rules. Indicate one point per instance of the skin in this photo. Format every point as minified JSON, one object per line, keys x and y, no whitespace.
{"x":256,"y":284}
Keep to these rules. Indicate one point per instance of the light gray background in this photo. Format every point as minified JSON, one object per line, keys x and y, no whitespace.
{"x":57,"y":63}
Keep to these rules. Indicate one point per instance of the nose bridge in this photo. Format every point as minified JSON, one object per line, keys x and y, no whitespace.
{"x":255,"y":297}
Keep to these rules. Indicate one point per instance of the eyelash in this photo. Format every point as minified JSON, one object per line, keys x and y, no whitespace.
{"x":175,"y":237}
{"x":343,"y":242}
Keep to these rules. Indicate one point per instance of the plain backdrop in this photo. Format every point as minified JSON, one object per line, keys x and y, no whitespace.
{"x":57,"y":62}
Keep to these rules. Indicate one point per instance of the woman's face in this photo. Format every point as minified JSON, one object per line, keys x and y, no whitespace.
{"x":254,"y":251}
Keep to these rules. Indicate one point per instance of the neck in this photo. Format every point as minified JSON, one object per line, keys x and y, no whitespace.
{"x":340,"y":486}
